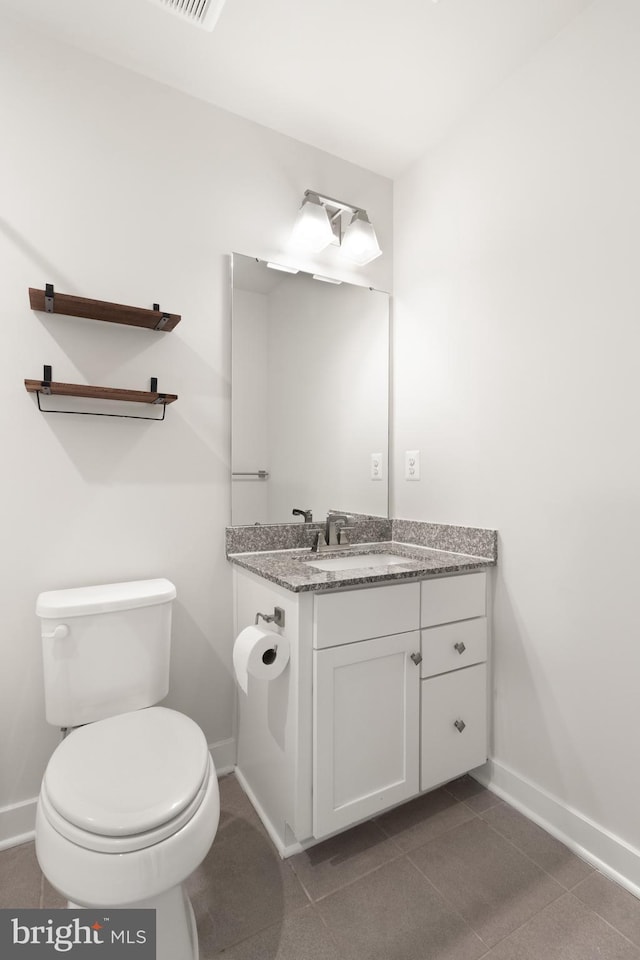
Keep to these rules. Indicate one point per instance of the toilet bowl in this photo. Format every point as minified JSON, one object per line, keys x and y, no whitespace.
{"x":129,"y":803}
{"x":141,"y":786}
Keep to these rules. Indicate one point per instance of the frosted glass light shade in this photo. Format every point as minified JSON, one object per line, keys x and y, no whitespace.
{"x":359,"y":242}
{"x":312,"y":230}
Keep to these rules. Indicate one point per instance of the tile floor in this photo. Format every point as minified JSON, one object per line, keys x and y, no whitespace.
{"x":454,"y":875}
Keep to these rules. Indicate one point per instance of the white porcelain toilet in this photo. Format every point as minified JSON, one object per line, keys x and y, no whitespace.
{"x":129,"y":803}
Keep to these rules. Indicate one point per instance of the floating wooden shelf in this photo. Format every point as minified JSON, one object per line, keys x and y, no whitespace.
{"x":51,"y":302}
{"x":97,"y":393}
{"x":49,"y":388}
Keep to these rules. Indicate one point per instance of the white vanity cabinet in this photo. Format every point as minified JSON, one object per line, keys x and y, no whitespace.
{"x":385,"y":696}
{"x":366,"y":693}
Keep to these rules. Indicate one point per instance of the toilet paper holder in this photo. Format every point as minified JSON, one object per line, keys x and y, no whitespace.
{"x":276,"y":617}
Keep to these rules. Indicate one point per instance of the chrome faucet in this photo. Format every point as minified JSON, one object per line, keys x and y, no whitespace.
{"x":334,"y":536}
{"x":332,"y":533}
{"x":307,"y":514}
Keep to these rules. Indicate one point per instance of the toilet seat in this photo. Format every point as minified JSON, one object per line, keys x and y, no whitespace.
{"x":89,"y":877}
{"x":127,"y":782}
{"x":123,"y":844}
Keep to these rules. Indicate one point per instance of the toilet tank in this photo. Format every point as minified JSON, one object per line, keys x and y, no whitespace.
{"x":105,"y":649}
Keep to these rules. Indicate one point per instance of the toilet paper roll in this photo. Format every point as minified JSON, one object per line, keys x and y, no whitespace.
{"x":260,"y":653}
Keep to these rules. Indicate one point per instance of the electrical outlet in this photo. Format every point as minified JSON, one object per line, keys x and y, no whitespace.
{"x":376,"y":466}
{"x":412,"y":465}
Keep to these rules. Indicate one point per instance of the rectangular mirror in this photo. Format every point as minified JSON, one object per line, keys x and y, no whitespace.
{"x":309,"y":396}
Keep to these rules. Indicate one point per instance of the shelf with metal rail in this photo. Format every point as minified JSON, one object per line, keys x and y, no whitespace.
{"x":50,"y":388}
{"x":49,"y":301}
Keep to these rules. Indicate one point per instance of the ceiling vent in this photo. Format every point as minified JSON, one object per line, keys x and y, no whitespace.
{"x":202,"y":13}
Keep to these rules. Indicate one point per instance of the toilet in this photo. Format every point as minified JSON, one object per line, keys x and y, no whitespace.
{"x":129,"y":803}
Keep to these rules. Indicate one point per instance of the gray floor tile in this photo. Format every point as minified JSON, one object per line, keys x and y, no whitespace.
{"x":20,"y":877}
{"x":242,"y":886}
{"x":301,"y":936}
{"x":340,"y":860}
{"x":395,"y":914}
{"x":494,"y":886}
{"x":234,"y":806}
{"x":477,"y":797}
{"x":233,"y":799}
{"x":251,"y":905}
{"x":565,"y":930}
{"x":50,"y":898}
{"x":618,"y":907}
{"x":424,"y":818}
{"x":543,"y":849}
{"x":482,"y":801}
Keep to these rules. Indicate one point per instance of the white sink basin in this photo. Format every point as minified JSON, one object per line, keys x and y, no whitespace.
{"x":354,"y":562}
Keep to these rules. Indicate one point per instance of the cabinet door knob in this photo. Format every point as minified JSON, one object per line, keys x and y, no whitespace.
{"x":459,"y":725}
{"x":417,"y":658}
{"x":460,"y":647}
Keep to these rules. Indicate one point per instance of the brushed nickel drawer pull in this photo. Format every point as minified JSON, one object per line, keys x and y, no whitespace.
{"x":417,"y":658}
{"x":459,"y":725}
{"x":460,"y":647}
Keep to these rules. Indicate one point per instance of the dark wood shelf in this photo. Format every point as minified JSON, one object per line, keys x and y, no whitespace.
{"x":102,"y":310}
{"x":98,"y":393}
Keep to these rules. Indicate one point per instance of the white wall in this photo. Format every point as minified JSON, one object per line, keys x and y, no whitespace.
{"x":517,"y":345}
{"x":117,"y":188}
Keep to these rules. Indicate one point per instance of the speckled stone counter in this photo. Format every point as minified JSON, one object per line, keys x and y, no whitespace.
{"x":475,"y":541}
{"x":293,"y":568}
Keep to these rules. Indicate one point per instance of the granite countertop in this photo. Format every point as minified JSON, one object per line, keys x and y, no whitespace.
{"x":288,"y":568}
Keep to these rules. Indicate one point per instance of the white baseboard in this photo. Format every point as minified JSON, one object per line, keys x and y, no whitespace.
{"x":223,"y":754}
{"x":17,"y":823}
{"x":18,"y":820}
{"x":285,"y":850}
{"x":589,"y":840}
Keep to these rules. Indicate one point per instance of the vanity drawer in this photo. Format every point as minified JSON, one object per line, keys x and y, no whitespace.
{"x":453,"y":598}
{"x":362,"y":614}
{"x":446,"y":751}
{"x":453,"y":645}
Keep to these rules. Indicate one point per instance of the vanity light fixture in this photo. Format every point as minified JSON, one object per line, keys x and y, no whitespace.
{"x":312,"y":230}
{"x":360,"y":243}
{"x":282,"y":266}
{"x":319,"y":223}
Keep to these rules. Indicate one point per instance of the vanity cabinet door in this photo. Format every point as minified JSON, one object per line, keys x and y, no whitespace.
{"x":454,"y":725}
{"x":366,"y":729}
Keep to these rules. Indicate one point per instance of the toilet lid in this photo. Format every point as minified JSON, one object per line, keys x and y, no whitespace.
{"x":128,"y":774}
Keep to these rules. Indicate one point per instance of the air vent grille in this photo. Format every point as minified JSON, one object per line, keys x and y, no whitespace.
{"x":202,"y":13}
